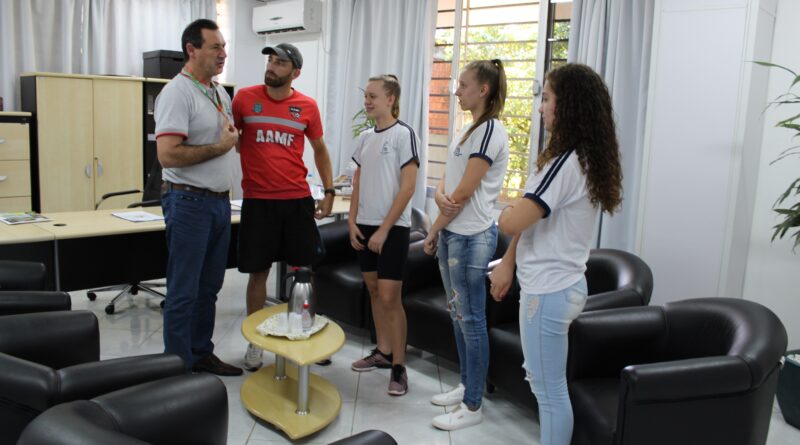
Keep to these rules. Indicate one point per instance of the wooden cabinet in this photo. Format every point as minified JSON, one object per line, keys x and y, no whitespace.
{"x":15,"y":170}
{"x":87,"y":141}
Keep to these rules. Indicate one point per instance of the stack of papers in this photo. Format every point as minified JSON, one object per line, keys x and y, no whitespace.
{"x":22,"y":217}
{"x":138,"y":216}
{"x":236,"y":204}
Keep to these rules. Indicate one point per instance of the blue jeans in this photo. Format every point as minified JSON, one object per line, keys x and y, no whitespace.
{"x":544,"y":323}
{"x":463,"y":263}
{"x":198,"y":234}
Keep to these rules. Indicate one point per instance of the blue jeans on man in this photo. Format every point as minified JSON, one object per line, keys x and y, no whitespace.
{"x":198,"y":235}
{"x":463,"y":263}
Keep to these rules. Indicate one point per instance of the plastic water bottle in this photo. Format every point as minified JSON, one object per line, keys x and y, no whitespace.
{"x":306,"y":316}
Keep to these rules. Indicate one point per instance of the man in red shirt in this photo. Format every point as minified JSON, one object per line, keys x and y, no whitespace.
{"x":277,"y":210}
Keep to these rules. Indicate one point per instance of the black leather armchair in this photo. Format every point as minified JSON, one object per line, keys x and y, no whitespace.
{"x":614,"y":278}
{"x":369,"y":437}
{"x":341,"y":292}
{"x":22,"y":291}
{"x":182,"y":410}
{"x":22,"y":275}
{"x":24,"y":302}
{"x":700,"y":371}
{"x":53,"y":357}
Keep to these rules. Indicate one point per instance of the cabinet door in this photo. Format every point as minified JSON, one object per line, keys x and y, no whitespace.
{"x":118,"y":140}
{"x":65,"y":130}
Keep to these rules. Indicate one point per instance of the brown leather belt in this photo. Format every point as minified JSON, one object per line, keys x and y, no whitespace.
{"x":169,"y":186}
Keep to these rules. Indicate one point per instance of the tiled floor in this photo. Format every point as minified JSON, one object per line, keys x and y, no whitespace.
{"x":136,"y":329}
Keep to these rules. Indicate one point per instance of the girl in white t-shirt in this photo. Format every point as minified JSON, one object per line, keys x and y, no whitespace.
{"x":465,"y":234}
{"x":576,"y":177}
{"x":380,"y":217}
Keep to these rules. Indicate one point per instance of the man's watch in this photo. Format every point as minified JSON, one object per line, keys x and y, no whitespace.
{"x":331,"y":192}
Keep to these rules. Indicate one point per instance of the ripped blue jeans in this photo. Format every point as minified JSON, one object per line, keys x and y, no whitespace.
{"x":544,"y":323}
{"x":463,"y":262}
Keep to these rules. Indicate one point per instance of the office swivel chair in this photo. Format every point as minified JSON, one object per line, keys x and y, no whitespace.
{"x":151,"y":197}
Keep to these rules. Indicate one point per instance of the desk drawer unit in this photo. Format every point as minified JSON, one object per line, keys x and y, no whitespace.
{"x":15,"y":171}
{"x":14,"y":142}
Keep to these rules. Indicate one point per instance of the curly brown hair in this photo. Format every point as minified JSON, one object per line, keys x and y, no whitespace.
{"x":584,"y":122}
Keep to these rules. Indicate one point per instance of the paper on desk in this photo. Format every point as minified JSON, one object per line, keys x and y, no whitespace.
{"x":236,"y":204}
{"x":138,"y":216}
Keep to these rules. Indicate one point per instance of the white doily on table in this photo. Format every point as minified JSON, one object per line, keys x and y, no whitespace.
{"x":270,"y":326}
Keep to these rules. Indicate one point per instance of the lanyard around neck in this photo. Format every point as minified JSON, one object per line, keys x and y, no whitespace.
{"x":216,"y":100}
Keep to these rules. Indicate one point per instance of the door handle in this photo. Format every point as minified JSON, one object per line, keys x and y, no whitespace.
{"x":3,"y":178}
{"x":2,"y":141}
{"x":99,"y":167}
{"x":88,"y":171}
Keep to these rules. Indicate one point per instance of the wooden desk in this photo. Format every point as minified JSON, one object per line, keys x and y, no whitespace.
{"x":292,"y":399}
{"x":93,"y":248}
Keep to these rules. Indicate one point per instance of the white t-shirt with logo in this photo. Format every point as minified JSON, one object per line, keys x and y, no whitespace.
{"x":381,"y":154}
{"x":552,"y":254}
{"x":489,"y":142}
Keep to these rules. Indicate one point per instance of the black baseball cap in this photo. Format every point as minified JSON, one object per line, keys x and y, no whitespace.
{"x":286,"y":51}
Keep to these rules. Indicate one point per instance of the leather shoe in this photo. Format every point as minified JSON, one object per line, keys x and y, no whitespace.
{"x":213,"y":365}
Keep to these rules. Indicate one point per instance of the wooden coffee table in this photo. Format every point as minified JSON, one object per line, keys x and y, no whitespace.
{"x":290,"y":397}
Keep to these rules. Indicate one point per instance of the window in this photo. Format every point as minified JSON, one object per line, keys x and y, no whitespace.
{"x":488,"y":29}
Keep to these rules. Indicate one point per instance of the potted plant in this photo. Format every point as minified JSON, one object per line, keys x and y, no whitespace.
{"x":789,"y":380}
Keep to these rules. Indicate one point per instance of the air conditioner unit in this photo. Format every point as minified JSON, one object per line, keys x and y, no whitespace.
{"x":288,"y":16}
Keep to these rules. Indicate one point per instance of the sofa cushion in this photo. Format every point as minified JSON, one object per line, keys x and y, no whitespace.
{"x":429,"y":324}
{"x":341,"y":293}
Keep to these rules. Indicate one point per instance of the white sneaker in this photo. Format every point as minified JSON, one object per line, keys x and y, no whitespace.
{"x":452,"y":397}
{"x":460,"y":417}
{"x":252,"y":358}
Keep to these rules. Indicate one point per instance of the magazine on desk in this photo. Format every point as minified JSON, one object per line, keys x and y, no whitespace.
{"x":138,"y":216}
{"x":22,"y":217}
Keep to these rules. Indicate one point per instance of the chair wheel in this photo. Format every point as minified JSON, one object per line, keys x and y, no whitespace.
{"x":91,"y":296}
{"x":110,"y":309}
{"x":162,"y":303}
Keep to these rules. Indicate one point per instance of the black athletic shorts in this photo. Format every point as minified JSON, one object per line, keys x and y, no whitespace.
{"x":391,"y":263}
{"x":273,"y":230}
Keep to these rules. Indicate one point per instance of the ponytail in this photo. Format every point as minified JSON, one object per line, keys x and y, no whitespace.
{"x":391,"y":85}
{"x":492,"y":73}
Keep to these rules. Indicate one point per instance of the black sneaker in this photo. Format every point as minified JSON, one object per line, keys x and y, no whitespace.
{"x":375,"y":359}
{"x":398,"y":383}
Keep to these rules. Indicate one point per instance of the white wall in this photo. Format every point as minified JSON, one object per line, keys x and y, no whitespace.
{"x":699,"y":115}
{"x":772,"y":271}
{"x":706,"y":221}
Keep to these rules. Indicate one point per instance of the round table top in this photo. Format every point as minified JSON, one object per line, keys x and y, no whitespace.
{"x":319,"y":346}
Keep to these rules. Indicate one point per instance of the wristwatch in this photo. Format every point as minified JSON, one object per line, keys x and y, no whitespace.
{"x":330,"y":192}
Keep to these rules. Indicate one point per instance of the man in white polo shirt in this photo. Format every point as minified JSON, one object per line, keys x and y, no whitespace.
{"x":194,"y":135}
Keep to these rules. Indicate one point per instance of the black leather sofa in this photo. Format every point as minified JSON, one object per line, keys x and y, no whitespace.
{"x":53,"y":357}
{"x":338,"y":283}
{"x":614,"y":278}
{"x":700,"y":371}
{"x":429,"y":325}
{"x":181,"y":410}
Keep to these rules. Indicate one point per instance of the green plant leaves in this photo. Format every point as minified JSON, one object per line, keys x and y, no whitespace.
{"x":790,"y":217}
